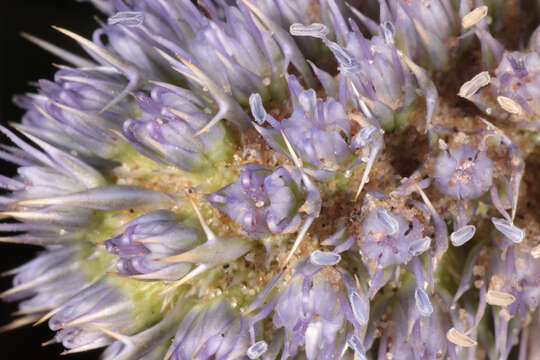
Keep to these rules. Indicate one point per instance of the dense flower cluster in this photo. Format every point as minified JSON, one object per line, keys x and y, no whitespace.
{"x":282,"y":179}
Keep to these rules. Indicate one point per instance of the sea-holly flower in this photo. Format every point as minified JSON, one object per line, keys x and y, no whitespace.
{"x":392,"y":238}
{"x":150,"y":343}
{"x":311,"y":314}
{"x":413,"y":336}
{"x":68,"y":112}
{"x":464,"y":172}
{"x":386,"y":237}
{"x":211,"y":331}
{"x":215,"y":251}
{"x":319,"y":131}
{"x":431,"y":34}
{"x":427,"y":33}
{"x":471,"y":173}
{"x":213,"y":50}
{"x":166,"y":128}
{"x":246,"y":200}
{"x":268,"y":202}
{"x":510,"y":181}
{"x":79,"y":319}
{"x":511,"y":94}
{"x":320,"y":12}
{"x":517,"y":276}
{"x":56,"y":194}
{"x":47,"y":282}
{"x":245,"y":30}
{"x":510,"y":287}
{"x":374,"y":75}
{"x":312,"y":310}
{"x":155,"y":235}
{"x":46,"y":173}
{"x":515,"y":88}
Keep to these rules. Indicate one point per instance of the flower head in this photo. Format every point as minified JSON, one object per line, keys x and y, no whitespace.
{"x":209,"y":182}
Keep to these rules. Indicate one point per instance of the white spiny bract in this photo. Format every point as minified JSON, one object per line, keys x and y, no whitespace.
{"x":274,"y":179}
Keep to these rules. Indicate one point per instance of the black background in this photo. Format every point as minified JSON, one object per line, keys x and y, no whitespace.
{"x":21,"y":62}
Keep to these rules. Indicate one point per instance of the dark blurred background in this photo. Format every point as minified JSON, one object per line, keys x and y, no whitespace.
{"x":21,"y":62}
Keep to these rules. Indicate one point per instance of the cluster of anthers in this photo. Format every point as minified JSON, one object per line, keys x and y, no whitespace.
{"x":283,"y":179}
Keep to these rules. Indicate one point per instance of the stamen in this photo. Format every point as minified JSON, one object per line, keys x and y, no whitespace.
{"x":512,"y":232}
{"x":256,"y":350}
{"x":324,"y":258}
{"x":455,"y":337}
{"x":474,"y":17}
{"x":499,"y":298}
{"x":315,"y":30}
{"x":419,"y":246}
{"x":257,"y":108}
{"x":462,"y":235}
{"x":509,"y":105}
{"x":343,"y":57}
{"x":469,"y":88}
{"x":126,"y":18}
